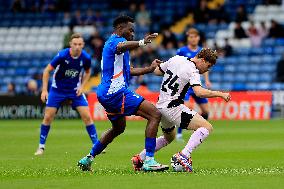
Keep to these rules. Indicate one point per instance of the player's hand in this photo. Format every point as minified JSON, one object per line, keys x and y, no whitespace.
{"x":149,"y":38}
{"x":79,"y":91}
{"x":155,"y":63}
{"x":208,"y":84}
{"x":44,"y":95}
{"x":226,"y":97}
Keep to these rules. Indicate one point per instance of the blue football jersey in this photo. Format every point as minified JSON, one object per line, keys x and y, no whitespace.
{"x":115,"y":67}
{"x":185,"y":51}
{"x":68,"y":70}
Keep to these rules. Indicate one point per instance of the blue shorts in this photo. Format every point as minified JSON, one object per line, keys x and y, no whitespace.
{"x":56,"y":97}
{"x":120,"y":104}
{"x":197,"y":99}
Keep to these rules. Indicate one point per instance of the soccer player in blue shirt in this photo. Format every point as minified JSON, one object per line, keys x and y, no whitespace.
{"x":67,"y":84}
{"x":118,"y":100}
{"x":190,"y":51}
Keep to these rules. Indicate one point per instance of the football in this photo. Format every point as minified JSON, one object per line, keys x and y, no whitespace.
{"x":177,"y":167}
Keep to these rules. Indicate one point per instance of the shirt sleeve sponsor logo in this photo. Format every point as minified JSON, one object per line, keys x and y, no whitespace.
{"x":71,"y":73}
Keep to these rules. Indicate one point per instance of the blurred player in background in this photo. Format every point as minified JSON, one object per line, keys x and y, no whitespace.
{"x":118,"y":100}
{"x":190,"y":51}
{"x":180,"y":73}
{"x":67,"y":84}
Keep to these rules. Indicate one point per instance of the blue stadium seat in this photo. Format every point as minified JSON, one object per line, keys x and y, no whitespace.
{"x":263,"y":86}
{"x":243,"y":59}
{"x":255,"y":59}
{"x":232,"y":60}
{"x":227,"y":86}
{"x":251,"y":86}
{"x":216,"y":86}
{"x":277,"y":86}
{"x":242,"y":68}
{"x":154,"y":87}
{"x":240,"y":77}
{"x":265,"y":77}
{"x":239,"y":86}
{"x":215,"y":77}
{"x":253,"y":77}
{"x":228,"y":77}
{"x":217,"y":68}
{"x":230,"y":68}
{"x":254,"y":68}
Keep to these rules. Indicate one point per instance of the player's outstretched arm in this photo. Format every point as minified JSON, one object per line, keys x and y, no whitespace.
{"x":45,"y":78}
{"x":130,"y":45}
{"x":148,"y":69}
{"x":205,"y":93}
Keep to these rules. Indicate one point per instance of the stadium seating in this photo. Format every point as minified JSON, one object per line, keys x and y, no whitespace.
{"x":32,"y":39}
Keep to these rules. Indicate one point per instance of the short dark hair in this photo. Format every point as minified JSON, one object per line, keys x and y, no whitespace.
{"x":122,"y":19}
{"x":76,"y":35}
{"x":208,"y":55}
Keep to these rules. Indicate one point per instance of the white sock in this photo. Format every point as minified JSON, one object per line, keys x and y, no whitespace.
{"x":196,"y":138}
{"x":160,"y":143}
{"x":41,"y":146}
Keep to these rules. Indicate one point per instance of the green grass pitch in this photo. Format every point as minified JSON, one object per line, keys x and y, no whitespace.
{"x":238,"y":154}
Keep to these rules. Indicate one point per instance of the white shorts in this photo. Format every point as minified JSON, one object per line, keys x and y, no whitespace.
{"x":179,"y":116}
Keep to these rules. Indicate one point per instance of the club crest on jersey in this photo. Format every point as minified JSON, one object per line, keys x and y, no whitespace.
{"x":71,"y":73}
{"x":81,"y":63}
{"x":66,"y":61}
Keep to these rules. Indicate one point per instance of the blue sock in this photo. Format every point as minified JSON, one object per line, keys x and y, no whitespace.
{"x":97,"y":148}
{"x":150,"y":144}
{"x":179,"y":131}
{"x":44,"y":129}
{"x":91,"y":129}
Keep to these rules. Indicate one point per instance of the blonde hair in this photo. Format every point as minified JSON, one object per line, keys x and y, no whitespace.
{"x":208,"y":55}
{"x":76,"y":35}
{"x":192,"y":31}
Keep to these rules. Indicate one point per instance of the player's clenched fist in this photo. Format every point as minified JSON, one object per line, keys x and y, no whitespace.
{"x":155,"y":63}
{"x":226,"y":97}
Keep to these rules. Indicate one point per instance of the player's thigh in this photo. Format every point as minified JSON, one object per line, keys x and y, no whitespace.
{"x":204,"y":107}
{"x":118,"y":124}
{"x":55,"y":98}
{"x":168,"y":127}
{"x":85,"y":114}
{"x":148,"y":111}
{"x":170,"y":135}
{"x":198,"y":121}
{"x":78,"y":101}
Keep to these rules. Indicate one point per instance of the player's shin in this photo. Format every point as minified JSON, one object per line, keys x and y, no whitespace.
{"x":91,"y":129}
{"x":195,"y":140}
{"x":150,"y":144}
{"x":44,"y":130}
{"x":160,"y":143}
{"x":97,"y":148}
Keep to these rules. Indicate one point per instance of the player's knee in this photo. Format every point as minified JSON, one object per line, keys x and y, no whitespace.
{"x":205,"y":115}
{"x":87,"y":120}
{"x":47,"y":118}
{"x":209,"y":127}
{"x":119,"y":130}
{"x":156,"y":115}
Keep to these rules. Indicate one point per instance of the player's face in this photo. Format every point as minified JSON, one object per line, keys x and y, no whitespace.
{"x":193,"y":39}
{"x":77,"y":44}
{"x":128,"y":31}
{"x":204,"y":66}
